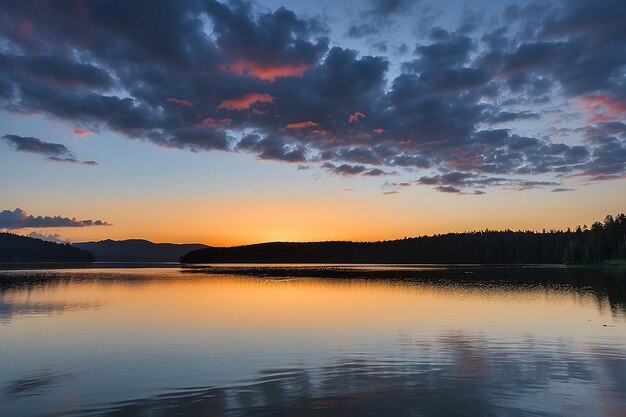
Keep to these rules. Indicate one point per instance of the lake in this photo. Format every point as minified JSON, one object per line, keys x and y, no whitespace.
{"x":313,"y":340}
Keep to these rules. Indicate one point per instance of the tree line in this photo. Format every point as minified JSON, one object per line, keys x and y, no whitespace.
{"x":603,"y":241}
{"x":15,"y":248}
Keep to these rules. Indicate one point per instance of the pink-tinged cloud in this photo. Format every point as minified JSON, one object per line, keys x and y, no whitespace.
{"x":180,"y":102}
{"x":599,"y":118}
{"x":301,"y":125}
{"x":82,"y":132}
{"x":461,"y":159}
{"x":266,"y":71}
{"x":379,"y":131}
{"x":216,"y":123}
{"x":612,"y":105}
{"x":355,"y":117}
{"x":318,"y":133}
{"x":604,"y":108}
{"x":245,"y":102}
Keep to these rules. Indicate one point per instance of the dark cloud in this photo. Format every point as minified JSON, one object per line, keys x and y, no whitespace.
{"x":461,"y":181}
{"x":530,"y":56}
{"x":384,"y":9}
{"x":360,"y":155}
{"x":580,"y":45}
{"x":362,"y":30}
{"x":69,"y":160}
{"x":451,"y":49}
{"x":506,"y":116}
{"x":349,"y":170}
{"x":57,"y":70}
{"x":603,"y":21}
{"x":346,"y":76}
{"x":375,"y":172}
{"x":345,"y":169}
{"x":380,"y":47}
{"x":276,"y":44}
{"x":35,"y":145}
{"x":448,"y":189}
{"x":402,"y":49}
{"x":19,"y":219}
{"x":272,"y":148}
{"x":608,"y":158}
{"x":208,"y":75}
{"x":55,"y":152}
{"x":529,"y":11}
{"x":471,"y":20}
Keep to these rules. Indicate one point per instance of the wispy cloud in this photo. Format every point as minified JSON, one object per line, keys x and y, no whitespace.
{"x":55,"y":152}
{"x":36,"y":145}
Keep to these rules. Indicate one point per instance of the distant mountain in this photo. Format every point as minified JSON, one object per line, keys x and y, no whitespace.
{"x":15,"y":248}
{"x":137,"y":250}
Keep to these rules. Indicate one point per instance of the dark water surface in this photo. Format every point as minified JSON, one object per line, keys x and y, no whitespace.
{"x":303,"y":340}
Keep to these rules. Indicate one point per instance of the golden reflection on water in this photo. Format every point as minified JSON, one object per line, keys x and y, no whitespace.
{"x":223,"y":301}
{"x":113,"y":341}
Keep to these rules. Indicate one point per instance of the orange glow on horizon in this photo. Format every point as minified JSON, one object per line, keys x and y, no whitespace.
{"x":355,"y":216}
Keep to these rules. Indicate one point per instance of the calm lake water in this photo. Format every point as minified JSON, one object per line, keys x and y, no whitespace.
{"x":299,"y":341}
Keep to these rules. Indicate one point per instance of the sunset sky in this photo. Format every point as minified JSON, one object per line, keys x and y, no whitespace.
{"x":239,"y":122}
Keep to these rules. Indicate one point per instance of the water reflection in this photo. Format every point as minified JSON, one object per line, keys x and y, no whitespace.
{"x":456,"y":375}
{"x":34,"y":384}
{"x":608,"y":285}
{"x":295,"y":340}
{"x":9,"y":309}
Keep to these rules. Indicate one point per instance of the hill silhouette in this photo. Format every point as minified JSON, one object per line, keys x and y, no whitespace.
{"x":15,"y":248}
{"x":601,"y":242}
{"x":137,"y":250}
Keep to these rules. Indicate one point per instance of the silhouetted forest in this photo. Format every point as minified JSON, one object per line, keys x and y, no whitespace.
{"x":603,"y":241}
{"x":15,"y":248}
